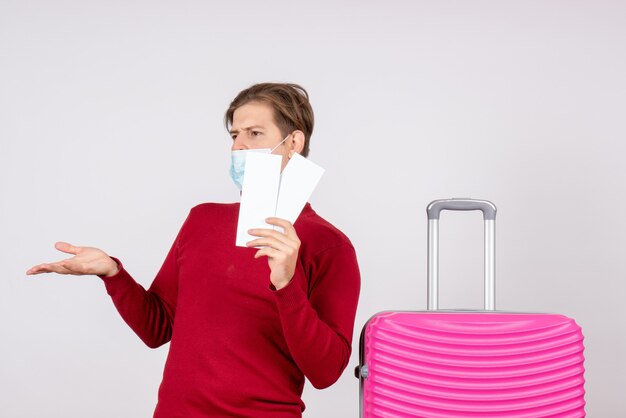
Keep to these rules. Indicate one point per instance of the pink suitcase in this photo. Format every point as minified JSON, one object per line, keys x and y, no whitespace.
{"x":449,"y":364}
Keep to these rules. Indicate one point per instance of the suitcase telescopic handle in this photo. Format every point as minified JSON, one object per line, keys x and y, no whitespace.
{"x":489,"y":215}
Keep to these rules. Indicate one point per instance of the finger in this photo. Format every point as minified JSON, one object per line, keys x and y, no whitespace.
{"x":40,"y":268}
{"x":49,"y":268}
{"x":272,"y":243}
{"x":286,"y":225}
{"x":267,"y":251}
{"x":67,"y":248}
{"x":35,"y":269}
{"x":277,"y":235}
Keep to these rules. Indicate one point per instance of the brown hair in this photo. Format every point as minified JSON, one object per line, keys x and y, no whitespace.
{"x":292,"y":110}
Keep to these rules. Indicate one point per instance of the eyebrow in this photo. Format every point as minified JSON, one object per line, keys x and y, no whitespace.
{"x":248,"y":128}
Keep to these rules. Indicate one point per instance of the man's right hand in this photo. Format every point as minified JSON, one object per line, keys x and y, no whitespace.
{"x":86,"y":260}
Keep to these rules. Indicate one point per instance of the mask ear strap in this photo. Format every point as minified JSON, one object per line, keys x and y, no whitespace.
{"x":280,"y":143}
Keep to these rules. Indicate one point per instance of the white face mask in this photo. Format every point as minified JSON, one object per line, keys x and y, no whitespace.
{"x":238,"y":162}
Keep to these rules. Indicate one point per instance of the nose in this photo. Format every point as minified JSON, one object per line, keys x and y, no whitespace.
{"x":238,"y":143}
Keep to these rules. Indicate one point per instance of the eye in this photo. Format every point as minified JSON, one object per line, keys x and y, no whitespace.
{"x":256,"y":133}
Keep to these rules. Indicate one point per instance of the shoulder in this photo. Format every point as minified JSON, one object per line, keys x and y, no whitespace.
{"x":211,"y":213}
{"x":325,"y":252}
{"x":317,"y":234}
{"x":213,"y":208}
{"x":217,"y":220}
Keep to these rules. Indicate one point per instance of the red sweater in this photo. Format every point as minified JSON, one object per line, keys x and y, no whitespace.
{"x":238,"y":348}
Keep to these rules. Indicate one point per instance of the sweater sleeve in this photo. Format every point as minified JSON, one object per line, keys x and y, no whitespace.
{"x":149,"y":313}
{"x":318,"y":328}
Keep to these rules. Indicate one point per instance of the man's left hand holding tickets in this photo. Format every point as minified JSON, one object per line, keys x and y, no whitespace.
{"x":281,"y":249}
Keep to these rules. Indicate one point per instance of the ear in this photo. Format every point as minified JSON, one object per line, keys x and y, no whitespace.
{"x":296,"y":145}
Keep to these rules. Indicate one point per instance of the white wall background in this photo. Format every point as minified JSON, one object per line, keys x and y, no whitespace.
{"x":111,"y":130}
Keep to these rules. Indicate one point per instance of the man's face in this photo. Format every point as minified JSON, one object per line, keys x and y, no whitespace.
{"x":254,"y":127}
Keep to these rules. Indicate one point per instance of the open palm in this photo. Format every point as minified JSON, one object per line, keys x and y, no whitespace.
{"x":86,"y":260}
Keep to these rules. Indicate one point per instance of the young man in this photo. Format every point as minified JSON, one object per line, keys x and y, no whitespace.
{"x":246,"y":325}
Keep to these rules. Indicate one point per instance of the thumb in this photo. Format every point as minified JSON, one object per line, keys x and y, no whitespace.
{"x":67,"y":248}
